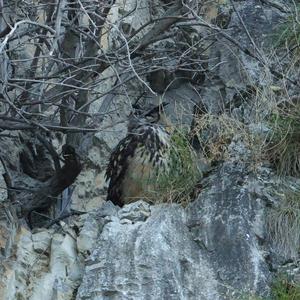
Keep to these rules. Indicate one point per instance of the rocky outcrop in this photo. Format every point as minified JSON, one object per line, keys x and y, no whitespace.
{"x":235,"y":66}
{"x":217,"y":246}
{"x":47,"y":266}
{"x":148,"y":259}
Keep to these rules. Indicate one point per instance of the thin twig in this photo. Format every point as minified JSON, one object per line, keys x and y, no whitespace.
{"x":12,"y":31}
{"x":64,"y":216}
{"x":8,"y":180}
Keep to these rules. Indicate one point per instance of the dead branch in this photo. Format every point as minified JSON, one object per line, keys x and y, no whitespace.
{"x":46,"y":194}
{"x":8,"y":181}
{"x":64,"y":216}
{"x":172,"y":15}
{"x":18,"y":24}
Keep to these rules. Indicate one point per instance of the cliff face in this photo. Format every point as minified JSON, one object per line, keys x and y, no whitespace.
{"x":213,"y":249}
{"x":222,"y":245}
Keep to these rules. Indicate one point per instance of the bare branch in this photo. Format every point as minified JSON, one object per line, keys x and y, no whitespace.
{"x":47,"y":193}
{"x":8,"y":180}
{"x":12,"y":31}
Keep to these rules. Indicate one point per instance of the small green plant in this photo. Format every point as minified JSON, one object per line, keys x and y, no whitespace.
{"x":177,"y":183}
{"x":284,"y":289}
{"x":288,"y":33}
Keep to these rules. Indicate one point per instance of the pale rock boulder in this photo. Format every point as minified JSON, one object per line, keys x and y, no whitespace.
{"x":46,"y":266}
{"x":64,"y":272}
{"x":149,"y":259}
{"x":215,"y":248}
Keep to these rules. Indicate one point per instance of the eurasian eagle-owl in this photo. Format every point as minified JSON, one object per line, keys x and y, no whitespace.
{"x":138,"y":158}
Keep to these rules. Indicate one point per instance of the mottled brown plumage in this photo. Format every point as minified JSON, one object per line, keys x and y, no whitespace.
{"x":135,"y":162}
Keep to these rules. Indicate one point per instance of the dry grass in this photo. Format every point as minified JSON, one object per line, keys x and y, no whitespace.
{"x":284,"y":222}
{"x":288,"y":34}
{"x":284,"y":147}
{"x":215,"y":133}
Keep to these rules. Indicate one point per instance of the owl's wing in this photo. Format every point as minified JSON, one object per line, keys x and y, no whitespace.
{"x":147,"y":138}
{"x":117,"y":166}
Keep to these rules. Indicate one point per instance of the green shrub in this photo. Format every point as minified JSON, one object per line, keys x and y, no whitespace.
{"x":178,"y":182}
{"x":288,"y":33}
{"x":284,"y":289}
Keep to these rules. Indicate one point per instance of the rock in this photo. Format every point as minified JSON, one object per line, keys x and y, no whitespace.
{"x":107,"y":209}
{"x":64,"y":260}
{"x":228,"y":221}
{"x":88,"y":235}
{"x":260,"y":130}
{"x":3,"y":192}
{"x":291,"y":271}
{"x":89,"y":192}
{"x":64,"y":270}
{"x":26,"y":259}
{"x":216,"y":248}
{"x":10,"y":149}
{"x":41,"y":241}
{"x":113,"y":135}
{"x":46,"y":266}
{"x":155,"y":259}
{"x":8,"y":236}
{"x":182,"y":101}
{"x":93,"y":225}
{"x":231,"y":70}
{"x":137,"y":211}
{"x":127,"y":18}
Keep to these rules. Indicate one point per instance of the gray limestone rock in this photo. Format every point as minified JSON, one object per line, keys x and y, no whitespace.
{"x":213,"y":249}
{"x":137,"y":211}
{"x":231,"y":70}
{"x":93,"y":225}
{"x":149,"y":260}
{"x":228,"y":221}
{"x":41,"y":241}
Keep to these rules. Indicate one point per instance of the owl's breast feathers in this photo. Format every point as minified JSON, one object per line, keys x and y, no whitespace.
{"x":135,"y":162}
